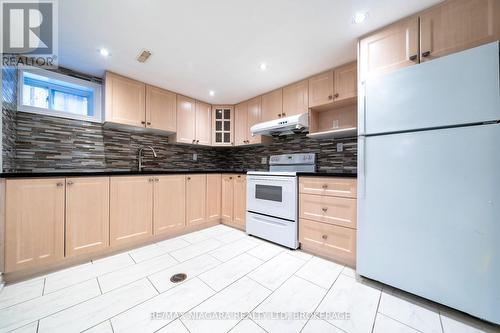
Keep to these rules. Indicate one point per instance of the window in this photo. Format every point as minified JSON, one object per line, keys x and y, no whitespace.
{"x":54,"y":94}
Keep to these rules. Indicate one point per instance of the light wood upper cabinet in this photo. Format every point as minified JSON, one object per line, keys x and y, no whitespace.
{"x":125,"y":100}
{"x":87,"y":215}
{"x":321,"y":89}
{"x":241,"y":124}
{"x":161,"y":109}
{"x":196,"y":199}
{"x":186,"y":120}
{"x":345,"y":84}
{"x":34,"y":222}
{"x":254,"y":117}
{"x":169,"y":213}
{"x":393,"y":47}
{"x":227,"y":197}
{"x":131,"y":209}
{"x":223,"y":125}
{"x":240,"y":200}
{"x":272,"y":105}
{"x":214,"y":188}
{"x":203,"y":123}
{"x":458,"y":25}
{"x":296,"y":98}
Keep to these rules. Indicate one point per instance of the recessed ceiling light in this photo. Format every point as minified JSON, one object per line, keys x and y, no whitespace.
{"x":360,"y":17}
{"x":263,"y":66}
{"x":211,"y":93}
{"x":104,"y":52}
{"x":143,"y":56}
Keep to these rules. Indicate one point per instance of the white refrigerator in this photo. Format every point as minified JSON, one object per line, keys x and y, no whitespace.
{"x":429,"y":181}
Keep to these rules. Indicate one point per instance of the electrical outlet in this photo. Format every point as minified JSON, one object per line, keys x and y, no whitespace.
{"x":263,"y":160}
{"x":195,"y":157}
{"x":340,"y":147}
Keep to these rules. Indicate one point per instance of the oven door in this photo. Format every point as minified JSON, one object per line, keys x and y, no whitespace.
{"x":272,"y":195}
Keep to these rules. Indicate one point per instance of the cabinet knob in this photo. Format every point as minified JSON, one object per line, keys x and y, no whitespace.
{"x":325,"y":186}
{"x":413,"y":57}
{"x":69,"y":182}
{"x":59,"y":184}
{"x":143,"y":122}
{"x":283,"y":114}
{"x":330,"y":97}
{"x":324,"y":209}
{"x":150,"y":180}
{"x":230,"y":177}
{"x":157,"y":179}
{"x":279,"y":115}
{"x":188,"y":178}
{"x":239,"y":176}
{"x":194,"y":141}
{"x":197,"y":141}
{"x":148,"y":123}
{"x":336,"y":95}
{"x":324,"y":236}
{"x":426,"y":54}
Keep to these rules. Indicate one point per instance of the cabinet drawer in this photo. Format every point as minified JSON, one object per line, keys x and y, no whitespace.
{"x":332,"y":210}
{"x":337,"y":243}
{"x":339,"y":187}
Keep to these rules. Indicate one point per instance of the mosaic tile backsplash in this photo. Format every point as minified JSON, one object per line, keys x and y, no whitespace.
{"x":38,"y":143}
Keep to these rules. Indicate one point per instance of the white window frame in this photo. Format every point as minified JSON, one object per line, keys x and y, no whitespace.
{"x":57,"y":78}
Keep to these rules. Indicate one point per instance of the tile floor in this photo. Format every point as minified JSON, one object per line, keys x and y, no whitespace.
{"x":237,"y":277}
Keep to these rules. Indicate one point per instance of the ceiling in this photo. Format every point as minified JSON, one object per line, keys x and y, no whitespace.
{"x":218,"y":45}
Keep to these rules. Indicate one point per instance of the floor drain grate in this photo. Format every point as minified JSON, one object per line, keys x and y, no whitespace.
{"x":179,"y":277}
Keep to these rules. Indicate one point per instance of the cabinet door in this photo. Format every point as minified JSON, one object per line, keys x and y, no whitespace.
{"x":186,"y":120}
{"x":125,"y":100}
{"x":213,"y":196}
{"x":131,"y":209}
{"x":196,"y":191}
{"x":296,"y":98}
{"x":458,"y":25}
{"x":254,"y":117}
{"x":272,"y":105}
{"x":240,"y":200}
{"x":240,"y":124}
{"x":223,"y":122}
{"x":393,"y":47}
{"x":321,"y":89}
{"x":169,"y":213}
{"x":161,"y":113}
{"x":203,"y":123}
{"x":87,"y":215}
{"x":345,"y":82}
{"x":227,"y":198}
{"x":34,"y":225}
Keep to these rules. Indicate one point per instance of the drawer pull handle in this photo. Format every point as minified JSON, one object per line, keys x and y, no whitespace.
{"x":325,"y":186}
{"x":324,"y":236}
{"x":59,"y":184}
{"x":324,"y":209}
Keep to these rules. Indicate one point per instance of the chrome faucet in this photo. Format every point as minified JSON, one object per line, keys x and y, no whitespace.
{"x":140,"y":155}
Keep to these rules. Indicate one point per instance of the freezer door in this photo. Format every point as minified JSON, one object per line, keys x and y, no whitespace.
{"x":461,"y":88}
{"x":429,"y":215}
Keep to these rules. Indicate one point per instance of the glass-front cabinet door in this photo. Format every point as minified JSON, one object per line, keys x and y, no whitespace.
{"x":223,"y":125}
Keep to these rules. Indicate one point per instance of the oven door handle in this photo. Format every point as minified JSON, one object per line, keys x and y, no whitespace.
{"x":271,"y":222}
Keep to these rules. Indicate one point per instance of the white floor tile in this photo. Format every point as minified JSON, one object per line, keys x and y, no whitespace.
{"x":240,"y":297}
{"x":147,"y":252}
{"x":247,"y":326}
{"x":174,"y":327}
{"x":230,"y":271}
{"x":192,"y":268}
{"x":20,"y":292}
{"x":30,"y":328}
{"x":275,"y":271}
{"x":321,"y":272}
{"x":195,"y":250}
{"x":460,"y":323}
{"x":29,"y":311}
{"x":296,"y":295}
{"x":173,"y":244}
{"x":135,"y":272}
{"x":320,"y":326}
{"x":349,"y":272}
{"x":300,"y":254}
{"x":384,"y":324}
{"x":166,"y":306}
{"x":104,"y":327}
{"x":68,"y":277}
{"x":195,"y":237}
{"x":266,"y":251}
{"x":231,"y":250}
{"x":87,"y":314}
{"x":354,"y":298}
{"x":231,"y":236}
{"x":217,"y":230}
{"x":402,"y":308}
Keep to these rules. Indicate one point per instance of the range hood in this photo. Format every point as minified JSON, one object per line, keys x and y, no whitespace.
{"x":283,"y":126}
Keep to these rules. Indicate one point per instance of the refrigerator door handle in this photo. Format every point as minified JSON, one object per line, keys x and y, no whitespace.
{"x":362,"y":108}
{"x":361,"y":166}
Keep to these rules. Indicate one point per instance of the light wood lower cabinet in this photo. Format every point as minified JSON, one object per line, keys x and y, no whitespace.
{"x":169,"y":212}
{"x":240,"y":204}
{"x":34,"y":222}
{"x":196,"y":199}
{"x":234,"y":200}
{"x":328,"y":218}
{"x":87,"y":215}
{"x":131,"y":209}
{"x":214,"y":182}
{"x":227,"y":197}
